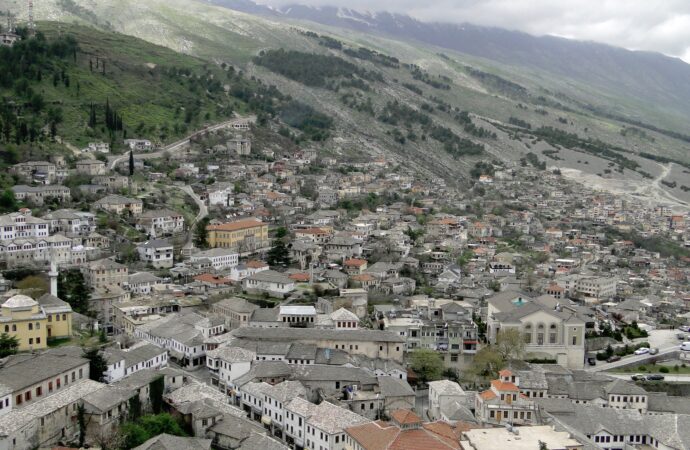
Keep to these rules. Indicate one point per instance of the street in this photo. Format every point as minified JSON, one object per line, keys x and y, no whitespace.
{"x":175,"y":146}
{"x":664,"y":340}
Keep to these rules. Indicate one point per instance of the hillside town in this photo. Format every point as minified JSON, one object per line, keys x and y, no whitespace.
{"x":260,"y":298}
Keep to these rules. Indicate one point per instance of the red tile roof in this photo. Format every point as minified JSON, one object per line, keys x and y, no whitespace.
{"x":503,"y":387}
{"x":355,"y":262}
{"x":255,"y":264}
{"x":237,"y":225}
{"x":405,"y":417}
{"x":212,"y":279}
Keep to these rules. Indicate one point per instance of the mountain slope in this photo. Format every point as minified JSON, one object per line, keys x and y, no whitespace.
{"x":418,"y":105}
{"x":651,"y":78}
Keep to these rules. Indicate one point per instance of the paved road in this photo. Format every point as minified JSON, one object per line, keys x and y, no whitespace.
{"x":633,"y":359}
{"x":179,"y":145}
{"x":667,"y":377}
{"x":203,"y":209}
{"x":664,"y":340}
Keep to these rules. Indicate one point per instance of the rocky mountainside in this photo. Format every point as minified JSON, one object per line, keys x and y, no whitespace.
{"x":437,"y":110}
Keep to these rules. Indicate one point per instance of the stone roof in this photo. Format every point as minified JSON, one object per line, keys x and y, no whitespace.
{"x":17,"y":419}
{"x":333,"y":419}
{"x":292,"y":334}
{"x":170,"y":442}
{"x":22,"y":370}
{"x":232,"y":354}
{"x":447,"y":387}
{"x":261,"y":442}
{"x":394,"y":387}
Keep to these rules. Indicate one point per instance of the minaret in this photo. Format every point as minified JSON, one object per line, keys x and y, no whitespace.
{"x":32,"y":25}
{"x":53,"y":274}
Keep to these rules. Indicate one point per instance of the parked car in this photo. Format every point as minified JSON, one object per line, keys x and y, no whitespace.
{"x":655,"y":377}
{"x":638,"y":377}
{"x":680,"y":336}
{"x":685,"y":328}
{"x":613,"y":358}
{"x":685,"y":346}
{"x":642,"y":351}
{"x":592,"y":361}
{"x":653,"y":351}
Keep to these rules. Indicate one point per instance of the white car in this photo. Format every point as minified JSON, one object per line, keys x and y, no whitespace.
{"x":642,"y":351}
{"x":684,"y":328}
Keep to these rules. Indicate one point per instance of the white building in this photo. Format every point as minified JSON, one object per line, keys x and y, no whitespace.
{"x":122,"y":363}
{"x":22,"y":225}
{"x":142,"y":283}
{"x":220,"y":258}
{"x":445,"y":397}
{"x":270,"y":282}
{"x":101,"y":147}
{"x":596,"y":289}
{"x":227,"y":364}
{"x":318,"y":426}
{"x":160,"y":223}
{"x":551,"y":330}
{"x":157,"y":253}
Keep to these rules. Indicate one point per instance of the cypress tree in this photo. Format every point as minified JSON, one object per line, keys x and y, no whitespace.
{"x":131,"y":163}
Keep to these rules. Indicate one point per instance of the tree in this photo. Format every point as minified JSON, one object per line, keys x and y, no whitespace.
{"x":487,"y":362}
{"x":81,"y":420}
{"x":8,"y":345}
{"x":426,"y":363}
{"x":34,"y":285}
{"x":542,"y":445}
{"x":72,"y":289}
{"x":510,"y":344}
{"x":278,"y":255}
{"x":7,"y":201}
{"x":201,"y":233}
{"x":136,"y":433}
{"x":131,"y":163}
{"x":97,"y":363}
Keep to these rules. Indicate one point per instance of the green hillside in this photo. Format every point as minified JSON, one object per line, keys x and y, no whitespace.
{"x":78,"y":84}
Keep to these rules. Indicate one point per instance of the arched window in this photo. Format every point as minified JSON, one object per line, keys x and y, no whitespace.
{"x":528,"y":333}
{"x":553,"y":333}
{"x":540,"y":334}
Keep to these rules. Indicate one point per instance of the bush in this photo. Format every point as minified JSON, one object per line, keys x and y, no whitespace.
{"x":663,"y":370}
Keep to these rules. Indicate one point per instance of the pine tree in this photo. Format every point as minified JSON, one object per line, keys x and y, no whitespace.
{"x":131,"y":163}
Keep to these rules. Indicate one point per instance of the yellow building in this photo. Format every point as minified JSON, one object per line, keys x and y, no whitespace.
{"x":59,"y":316}
{"x":242,"y":236}
{"x":33,"y":323}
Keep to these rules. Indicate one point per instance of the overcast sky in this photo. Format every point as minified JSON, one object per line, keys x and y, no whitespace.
{"x":662,"y":26}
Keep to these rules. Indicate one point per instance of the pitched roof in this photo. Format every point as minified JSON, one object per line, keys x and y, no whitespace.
{"x":405,"y":417}
{"x":503,"y":386}
{"x":237,"y":225}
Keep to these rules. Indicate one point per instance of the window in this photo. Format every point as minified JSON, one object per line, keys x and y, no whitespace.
{"x":39,"y":391}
